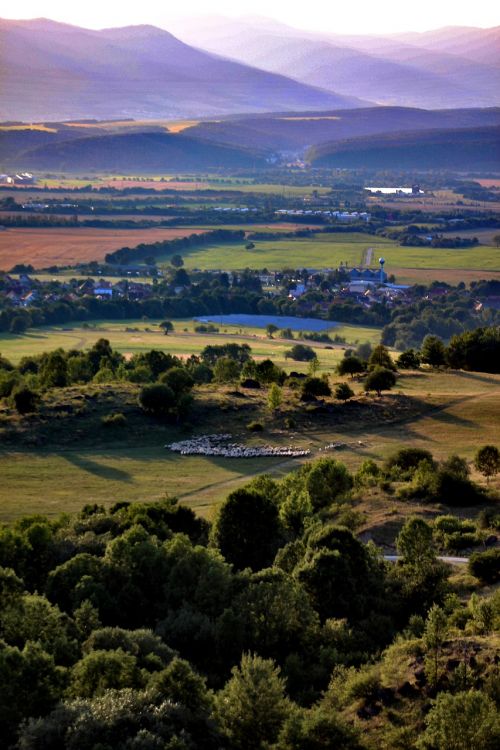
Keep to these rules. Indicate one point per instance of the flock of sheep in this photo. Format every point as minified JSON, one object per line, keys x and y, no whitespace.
{"x":218,"y":445}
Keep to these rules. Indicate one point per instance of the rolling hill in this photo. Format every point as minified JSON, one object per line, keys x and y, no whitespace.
{"x":54,"y":71}
{"x":445,"y":68}
{"x":460,"y":150}
{"x":296,"y":131}
{"x":139,"y":151}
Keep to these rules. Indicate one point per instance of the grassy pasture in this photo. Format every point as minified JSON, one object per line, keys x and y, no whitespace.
{"x":182,"y":342}
{"x":318,"y":251}
{"x":451,"y":412}
{"x":178,"y":181}
{"x":481,"y":257}
{"x":449,"y":275}
{"x":409,"y":264}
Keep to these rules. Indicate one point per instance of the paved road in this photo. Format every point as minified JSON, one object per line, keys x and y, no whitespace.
{"x":450,"y":560}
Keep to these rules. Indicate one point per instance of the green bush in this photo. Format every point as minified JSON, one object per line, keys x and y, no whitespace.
{"x":485,"y":565}
{"x":114,"y":420}
{"x":343,"y":392}
{"x":25,"y":399}
{"x":408,"y":459}
{"x":460,"y":540}
{"x":254,"y":426}
{"x":300,"y":353}
{"x":315,"y":387}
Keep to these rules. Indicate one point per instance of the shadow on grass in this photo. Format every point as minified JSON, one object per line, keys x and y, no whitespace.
{"x":477,"y":376}
{"x":97,"y":469}
{"x":452,"y":419}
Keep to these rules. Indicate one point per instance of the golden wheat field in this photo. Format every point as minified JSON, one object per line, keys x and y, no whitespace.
{"x":66,"y":246}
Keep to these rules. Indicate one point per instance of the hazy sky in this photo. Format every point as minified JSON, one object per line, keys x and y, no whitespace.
{"x":360,"y":16}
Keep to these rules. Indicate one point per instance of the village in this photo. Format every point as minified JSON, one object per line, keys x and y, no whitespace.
{"x":310,"y":291}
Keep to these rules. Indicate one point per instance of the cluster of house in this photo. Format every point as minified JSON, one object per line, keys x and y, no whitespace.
{"x":21,"y":291}
{"x":218,"y":445}
{"x":235,"y":209}
{"x":25,"y":291}
{"x":103,"y":289}
{"x":344,"y":216}
{"x":23,"y":178}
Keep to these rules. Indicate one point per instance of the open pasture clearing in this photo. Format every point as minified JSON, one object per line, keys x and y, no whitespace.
{"x":318,"y":251}
{"x":178,"y":181}
{"x":448,"y":275}
{"x":452,"y":412}
{"x":329,"y":250}
{"x":67,"y":246}
{"x":490,"y":182}
{"x":485,"y":236}
{"x":183,"y":342}
{"x":480,"y":257}
{"x":436,"y":205}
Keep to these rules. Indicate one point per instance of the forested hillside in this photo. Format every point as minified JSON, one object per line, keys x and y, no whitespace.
{"x":467,"y":149}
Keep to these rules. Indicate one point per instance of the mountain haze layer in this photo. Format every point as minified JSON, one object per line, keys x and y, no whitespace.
{"x":452,"y":67}
{"x":53,"y":71}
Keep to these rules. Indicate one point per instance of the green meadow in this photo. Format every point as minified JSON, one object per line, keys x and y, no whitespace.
{"x":318,"y":251}
{"x":329,"y":250}
{"x":134,"y":336}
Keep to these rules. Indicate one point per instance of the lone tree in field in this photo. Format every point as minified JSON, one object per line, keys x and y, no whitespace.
{"x":167,"y":326}
{"x":380,"y":379}
{"x":270,"y":329}
{"x":275,"y":397}
{"x":487,"y":461}
{"x":350,"y":366}
{"x":176,"y":261}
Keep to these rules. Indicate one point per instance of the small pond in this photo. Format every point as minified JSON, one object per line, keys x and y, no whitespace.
{"x":261,"y":321}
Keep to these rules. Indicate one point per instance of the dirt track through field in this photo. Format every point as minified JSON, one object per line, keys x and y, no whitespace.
{"x":291,"y":463}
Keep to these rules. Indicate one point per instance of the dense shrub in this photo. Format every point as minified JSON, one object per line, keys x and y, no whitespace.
{"x":486,"y":565}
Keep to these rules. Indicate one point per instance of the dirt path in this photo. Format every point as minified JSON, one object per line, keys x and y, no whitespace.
{"x":367,"y":257}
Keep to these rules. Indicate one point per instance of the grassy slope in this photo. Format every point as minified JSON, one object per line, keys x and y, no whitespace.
{"x":76,"y":460}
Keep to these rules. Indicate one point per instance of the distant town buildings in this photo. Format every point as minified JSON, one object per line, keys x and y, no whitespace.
{"x":23,"y":178}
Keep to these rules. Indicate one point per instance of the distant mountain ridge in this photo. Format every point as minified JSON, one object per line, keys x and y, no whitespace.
{"x":452,"y":67}
{"x":53,"y":71}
